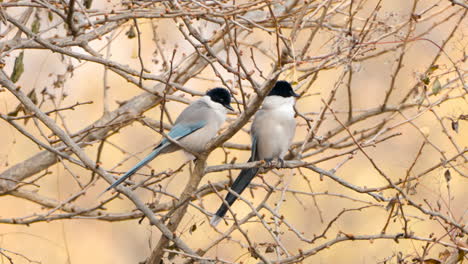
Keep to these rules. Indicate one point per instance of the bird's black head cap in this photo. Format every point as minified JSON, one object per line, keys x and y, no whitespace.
{"x":284,"y":89}
{"x":222,"y":96}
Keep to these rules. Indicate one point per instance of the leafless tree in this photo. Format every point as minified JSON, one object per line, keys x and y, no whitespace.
{"x":379,"y":154}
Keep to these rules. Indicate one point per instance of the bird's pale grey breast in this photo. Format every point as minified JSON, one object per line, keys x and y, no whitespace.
{"x":274,"y":130}
{"x":196,"y":112}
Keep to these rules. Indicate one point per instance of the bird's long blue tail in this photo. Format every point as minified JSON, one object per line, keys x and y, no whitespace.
{"x":239,"y":185}
{"x":140,"y":164}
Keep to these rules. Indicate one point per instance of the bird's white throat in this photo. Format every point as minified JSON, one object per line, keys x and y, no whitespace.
{"x":276,"y":102}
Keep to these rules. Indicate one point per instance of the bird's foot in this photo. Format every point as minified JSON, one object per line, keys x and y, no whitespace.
{"x":269,"y":163}
{"x":274,"y":163}
{"x":280,"y":163}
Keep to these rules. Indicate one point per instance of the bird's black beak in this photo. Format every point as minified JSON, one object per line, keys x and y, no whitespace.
{"x":228,"y":106}
{"x":295,"y":94}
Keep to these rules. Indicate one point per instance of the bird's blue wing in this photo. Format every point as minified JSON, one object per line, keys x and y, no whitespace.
{"x":177,"y":132}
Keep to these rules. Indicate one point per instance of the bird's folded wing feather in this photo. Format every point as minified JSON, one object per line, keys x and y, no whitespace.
{"x":179,"y":131}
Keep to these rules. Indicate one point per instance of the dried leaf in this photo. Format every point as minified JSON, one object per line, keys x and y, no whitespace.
{"x":18,"y":69}
{"x":412,"y":190}
{"x":348,"y":235}
{"x":425,"y":80}
{"x":31,"y":95}
{"x":131,"y":33}
{"x":433,"y":68}
{"x":50,"y":16}
{"x":193,"y":228}
{"x":444,"y":255}
{"x":391,"y":203}
{"x":447,"y":175}
{"x":36,"y":26}
{"x":60,"y":81}
{"x":171,"y":255}
{"x":436,"y":86}
{"x":87,"y":3}
{"x":253,"y":253}
{"x":15,"y":112}
{"x":455,"y":125}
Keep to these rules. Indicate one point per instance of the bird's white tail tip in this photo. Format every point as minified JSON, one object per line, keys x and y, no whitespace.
{"x":215,"y":220}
